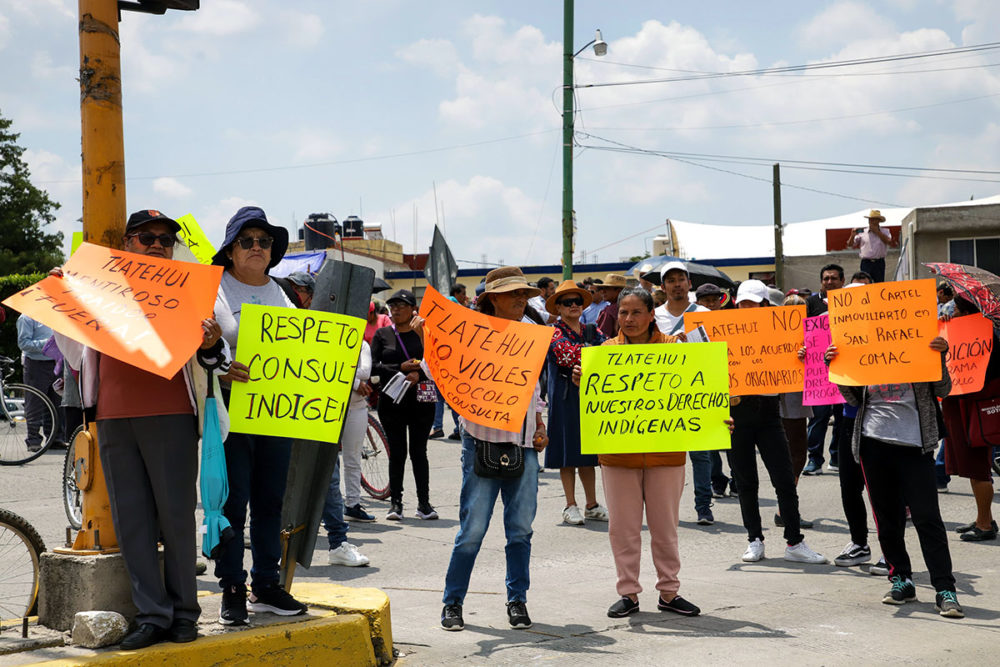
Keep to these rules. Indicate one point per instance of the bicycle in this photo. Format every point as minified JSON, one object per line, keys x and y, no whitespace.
{"x":375,"y":460}
{"x":14,"y":448}
{"x":20,"y":548}
{"x":72,"y":493}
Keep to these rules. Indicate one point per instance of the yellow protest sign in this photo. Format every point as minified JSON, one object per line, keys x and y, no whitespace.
{"x":143,"y":310}
{"x":195,"y":239}
{"x":75,"y":243}
{"x":654,"y":398}
{"x":485,"y":367}
{"x":302,"y":365}
{"x":763,"y":346}
{"x":883,"y":333}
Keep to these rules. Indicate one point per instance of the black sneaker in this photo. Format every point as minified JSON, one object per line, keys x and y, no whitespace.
{"x":455,"y":435}
{"x":276,"y":600}
{"x":451,"y":617}
{"x":358,"y":513}
{"x":622,"y":608}
{"x":679,"y":606}
{"x":234,"y":605}
{"x":947,"y":604}
{"x":902,"y":591}
{"x":435,"y":434}
{"x":395,"y":512}
{"x":517,"y":614}
{"x":719,"y":488}
{"x":426,"y":512}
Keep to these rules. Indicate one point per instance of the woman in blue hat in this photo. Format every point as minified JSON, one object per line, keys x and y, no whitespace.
{"x":257,"y":465}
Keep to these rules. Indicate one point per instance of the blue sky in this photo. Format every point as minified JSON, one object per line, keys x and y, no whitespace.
{"x":310,"y":98}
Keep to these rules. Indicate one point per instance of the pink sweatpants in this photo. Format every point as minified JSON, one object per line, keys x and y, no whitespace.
{"x":627,"y":490}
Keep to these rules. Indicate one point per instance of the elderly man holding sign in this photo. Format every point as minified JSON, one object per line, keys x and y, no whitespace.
{"x":148,"y":433}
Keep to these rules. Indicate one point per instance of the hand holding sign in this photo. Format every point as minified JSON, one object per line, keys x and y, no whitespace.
{"x":485,"y":367}
{"x":883,"y":332}
{"x":763,"y":346}
{"x":140,"y":309}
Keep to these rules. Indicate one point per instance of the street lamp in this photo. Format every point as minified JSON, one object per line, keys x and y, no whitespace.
{"x":600,"y":49}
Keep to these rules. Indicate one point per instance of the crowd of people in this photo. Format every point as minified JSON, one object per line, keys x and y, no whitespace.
{"x":883,"y":440}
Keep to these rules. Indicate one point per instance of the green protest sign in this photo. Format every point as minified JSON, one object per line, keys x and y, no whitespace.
{"x":302,"y":365}
{"x":654,"y":398}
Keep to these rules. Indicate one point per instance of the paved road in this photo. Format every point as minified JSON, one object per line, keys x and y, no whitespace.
{"x":752,"y":613}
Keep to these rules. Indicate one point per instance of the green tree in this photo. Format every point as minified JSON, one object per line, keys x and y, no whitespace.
{"x":24,"y":213}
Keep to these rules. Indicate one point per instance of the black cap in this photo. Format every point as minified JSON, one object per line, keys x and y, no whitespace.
{"x":404,"y":295}
{"x":708,"y":289}
{"x":140,"y":218}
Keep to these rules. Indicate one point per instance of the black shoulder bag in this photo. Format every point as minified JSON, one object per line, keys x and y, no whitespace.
{"x":499,"y":460}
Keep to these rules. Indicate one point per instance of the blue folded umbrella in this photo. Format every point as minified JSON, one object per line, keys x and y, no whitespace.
{"x":214,"y":480}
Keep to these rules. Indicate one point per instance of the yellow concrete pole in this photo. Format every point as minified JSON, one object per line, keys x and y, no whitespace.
{"x":103,"y":152}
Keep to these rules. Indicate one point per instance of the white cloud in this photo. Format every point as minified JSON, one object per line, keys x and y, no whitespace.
{"x":484,"y":216}
{"x":301,"y":29}
{"x":970,"y":152}
{"x":54,"y":174}
{"x":843,"y":23}
{"x":220,"y":18}
{"x":439,"y":55}
{"x":213,"y":219}
{"x":983,"y":16}
{"x":145,"y":69}
{"x":310,"y":144}
{"x":4,"y":31}
{"x":171,"y":187}
{"x":42,"y":66}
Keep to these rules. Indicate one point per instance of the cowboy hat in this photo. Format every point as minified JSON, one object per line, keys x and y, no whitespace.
{"x":614,"y":281}
{"x":508,"y":279}
{"x":567,"y":287}
{"x":875,"y":214}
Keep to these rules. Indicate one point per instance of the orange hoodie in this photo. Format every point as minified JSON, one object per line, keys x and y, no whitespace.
{"x":643,"y":460}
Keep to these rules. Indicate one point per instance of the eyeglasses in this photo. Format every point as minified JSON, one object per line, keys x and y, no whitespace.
{"x":247,"y":242}
{"x":148,"y":238}
{"x":570,"y":302}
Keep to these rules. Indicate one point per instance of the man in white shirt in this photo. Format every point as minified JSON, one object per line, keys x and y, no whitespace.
{"x":675,"y":282}
{"x":547,"y":286}
{"x":873,"y":244}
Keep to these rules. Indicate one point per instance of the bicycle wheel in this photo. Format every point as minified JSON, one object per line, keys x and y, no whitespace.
{"x":72,"y":496}
{"x":14,"y":448}
{"x":20,"y":547}
{"x":375,"y":461}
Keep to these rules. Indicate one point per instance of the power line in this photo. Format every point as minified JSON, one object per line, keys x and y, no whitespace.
{"x":331,"y":163}
{"x":805,"y":67}
{"x":625,"y":148}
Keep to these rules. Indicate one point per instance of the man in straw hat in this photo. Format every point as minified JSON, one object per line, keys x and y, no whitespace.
{"x":873,"y":243}
{"x":607,"y":321}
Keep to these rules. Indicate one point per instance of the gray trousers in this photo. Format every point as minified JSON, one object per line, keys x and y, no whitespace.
{"x":151,"y":467}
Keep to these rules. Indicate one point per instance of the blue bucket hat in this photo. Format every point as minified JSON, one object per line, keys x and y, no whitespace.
{"x":252,"y":216}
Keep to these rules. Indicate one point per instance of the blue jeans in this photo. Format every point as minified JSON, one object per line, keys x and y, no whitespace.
{"x":439,"y":407}
{"x":257,"y":466}
{"x":333,"y":510}
{"x":940,"y":472}
{"x":701,"y":476}
{"x":479,"y":495}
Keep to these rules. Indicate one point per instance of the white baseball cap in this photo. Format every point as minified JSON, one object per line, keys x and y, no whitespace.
{"x":752,"y":290}
{"x":672,"y":266}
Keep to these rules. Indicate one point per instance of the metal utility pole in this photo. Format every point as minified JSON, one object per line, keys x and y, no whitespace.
{"x":567,"y":138}
{"x":779,"y":253}
{"x":103,"y":145}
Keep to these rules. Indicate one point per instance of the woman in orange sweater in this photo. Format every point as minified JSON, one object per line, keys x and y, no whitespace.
{"x":633,"y":482}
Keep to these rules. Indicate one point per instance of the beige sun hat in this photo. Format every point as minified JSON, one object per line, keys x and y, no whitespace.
{"x":508,"y":279}
{"x":568,"y":287}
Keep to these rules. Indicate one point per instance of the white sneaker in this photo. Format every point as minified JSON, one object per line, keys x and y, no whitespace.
{"x":754,"y":552}
{"x":573,"y":516}
{"x":347,"y":554}
{"x":596,"y":513}
{"x":801,"y":553}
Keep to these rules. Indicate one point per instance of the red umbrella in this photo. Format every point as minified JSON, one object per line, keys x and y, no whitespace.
{"x":978,"y":285}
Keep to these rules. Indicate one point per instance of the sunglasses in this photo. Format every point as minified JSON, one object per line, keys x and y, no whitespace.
{"x":149,"y":238}
{"x":572,"y":301}
{"x":264,"y":242}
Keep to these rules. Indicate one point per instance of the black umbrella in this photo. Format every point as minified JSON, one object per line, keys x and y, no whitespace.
{"x":379,"y":285}
{"x":649,"y":269}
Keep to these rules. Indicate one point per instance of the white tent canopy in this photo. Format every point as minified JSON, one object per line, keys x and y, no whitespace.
{"x":703,"y":241}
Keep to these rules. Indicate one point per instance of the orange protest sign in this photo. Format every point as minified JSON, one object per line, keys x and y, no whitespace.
{"x":883,"y":333}
{"x":485,"y":367}
{"x":145,"y":311}
{"x":970,"y":343}
{"x":763,"y":346}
